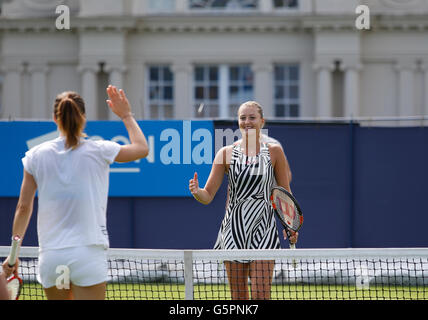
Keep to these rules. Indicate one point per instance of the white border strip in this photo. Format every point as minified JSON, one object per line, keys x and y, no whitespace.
{"x":33,"y":252}
{"x":124,"y":170}
{"x":30,"y":252}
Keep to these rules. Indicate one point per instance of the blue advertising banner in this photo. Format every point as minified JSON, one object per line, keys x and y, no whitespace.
{"x":177,"y":150}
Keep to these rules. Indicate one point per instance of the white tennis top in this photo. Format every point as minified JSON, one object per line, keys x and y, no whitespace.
{"x":72,"y":191}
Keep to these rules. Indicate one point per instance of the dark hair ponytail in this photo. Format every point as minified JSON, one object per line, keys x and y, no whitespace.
{"x":69,"y":109}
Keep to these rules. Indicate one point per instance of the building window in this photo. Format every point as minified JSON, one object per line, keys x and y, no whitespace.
{"x":206,"y":91}
{"x":160,"y":92}
{"x":278,"y":4}
{"x":223,"y":4}
{"x":219,"y":90}
{"x":161,"y":6}
{"x":240,"y":87}
{"x":239,"y":4}
{"x":286,"y":90}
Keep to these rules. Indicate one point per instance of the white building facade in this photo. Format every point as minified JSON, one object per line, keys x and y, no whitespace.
{"x":184,"y":59}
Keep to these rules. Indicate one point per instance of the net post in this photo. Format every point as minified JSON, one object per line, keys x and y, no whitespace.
{"x":188,"y":275}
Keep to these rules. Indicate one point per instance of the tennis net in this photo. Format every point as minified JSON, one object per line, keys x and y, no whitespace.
{"x":301,"y":274}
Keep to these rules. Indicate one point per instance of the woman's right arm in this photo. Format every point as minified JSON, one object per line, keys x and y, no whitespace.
{"x":138,"y":148}
{"x":206,"y":195}
{"x":23,"y":213}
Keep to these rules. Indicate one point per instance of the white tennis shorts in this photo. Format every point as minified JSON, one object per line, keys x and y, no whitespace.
{"x":80,"y":266}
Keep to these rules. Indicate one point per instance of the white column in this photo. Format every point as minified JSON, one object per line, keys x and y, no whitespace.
{"x":351,"y":89}
{"x":183,"y":102}
{"x":263,"y":86}
{"x":224,"y":91}
{"x":136,"y":89}
{"x":424,"y":67}
{"x":12,"y":91}
{"x":90,"y":89}
{"x":406,"y":75}
{"x":306,"y":6}
{"x":324,"y":89}
{"x":181,"y":6}
{"x":115,"y":78}
{"x":39,"y":105}
{"x":266,"y":6}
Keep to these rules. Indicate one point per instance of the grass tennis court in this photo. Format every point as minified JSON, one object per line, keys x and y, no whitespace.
{"x":162,"y":291}
{"x":321,"y":274}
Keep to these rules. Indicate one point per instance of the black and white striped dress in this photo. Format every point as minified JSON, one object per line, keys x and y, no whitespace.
{"x":249,"y":222}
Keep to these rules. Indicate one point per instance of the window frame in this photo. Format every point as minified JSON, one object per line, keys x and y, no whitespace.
{"x":161,"y":84}
{"x":286,"y":84}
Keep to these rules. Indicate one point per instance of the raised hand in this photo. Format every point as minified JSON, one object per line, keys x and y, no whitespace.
{"x":194,"y":184}
{"x":118,"y":102}
{"x":293,"y":236}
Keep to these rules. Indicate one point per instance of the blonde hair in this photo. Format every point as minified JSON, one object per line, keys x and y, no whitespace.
{"x":253,"y":104}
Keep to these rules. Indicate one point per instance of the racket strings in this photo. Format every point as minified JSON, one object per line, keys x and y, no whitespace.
{"x":287,"y":210}
{"x":14,"y":288}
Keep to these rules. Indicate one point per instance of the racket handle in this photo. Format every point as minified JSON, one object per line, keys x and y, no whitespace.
{"x":294,"y":262}
{"x":292,"y":245}
{"x":16,"y":242}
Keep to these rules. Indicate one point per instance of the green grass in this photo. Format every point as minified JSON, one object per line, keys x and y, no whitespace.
{"x":162,"y":291}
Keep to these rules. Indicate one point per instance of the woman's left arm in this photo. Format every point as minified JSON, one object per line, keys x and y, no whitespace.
{"x":281,"y":171}
{"x":280,"y":166}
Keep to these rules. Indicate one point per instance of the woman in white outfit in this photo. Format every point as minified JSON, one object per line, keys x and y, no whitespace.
{"x":71,"y":174}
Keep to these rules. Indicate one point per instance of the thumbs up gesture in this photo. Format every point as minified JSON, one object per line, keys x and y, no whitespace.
{"x":194,"y":184}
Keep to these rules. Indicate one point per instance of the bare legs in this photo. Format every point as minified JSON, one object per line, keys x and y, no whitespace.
{"x":95,"y":292}
{"x":260,"y":273}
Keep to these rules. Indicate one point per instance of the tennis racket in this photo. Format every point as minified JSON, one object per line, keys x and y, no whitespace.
{"x":14,"y":285}
{"x":288,"y":211}
{"x":14,"y":250}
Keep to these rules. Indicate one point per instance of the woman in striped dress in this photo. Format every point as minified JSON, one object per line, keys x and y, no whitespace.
{"x":252,"y":167}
